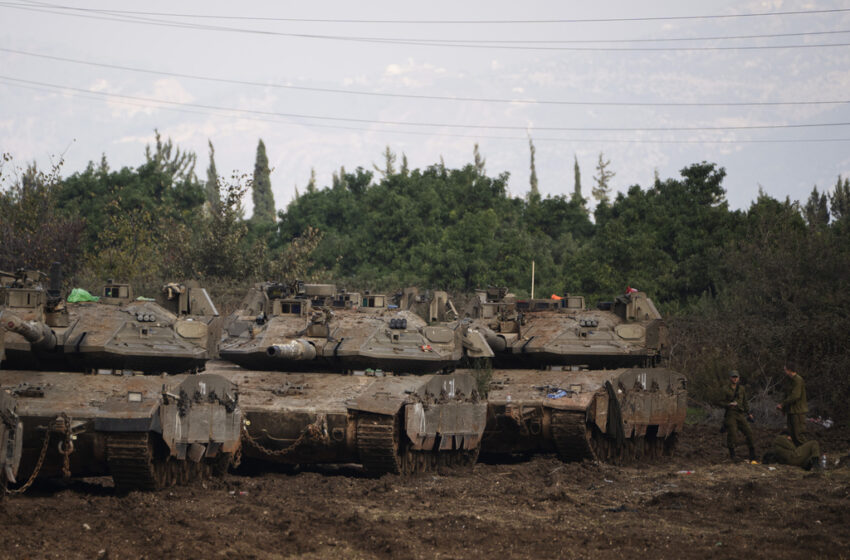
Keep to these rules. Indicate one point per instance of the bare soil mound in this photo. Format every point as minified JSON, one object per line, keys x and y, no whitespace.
{"x":697,"y":505}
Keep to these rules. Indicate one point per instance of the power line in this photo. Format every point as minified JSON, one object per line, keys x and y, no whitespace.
{"x":439,"y":22}
{"x":420,"y":42}
{"x":431,"y":124}
{"x":90,"y":95}
{"x":424,"y":96}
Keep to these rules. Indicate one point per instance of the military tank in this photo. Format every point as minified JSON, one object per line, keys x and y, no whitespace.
{"x":388,"y":424}
{"x":618,"y":416}
{"x":596,"y":392}
{"x":117,"y":332}
{"x":626,"y":332}
{"x":147,"y":432}
{"x":379,"y":415}
{"x":315,"y":327}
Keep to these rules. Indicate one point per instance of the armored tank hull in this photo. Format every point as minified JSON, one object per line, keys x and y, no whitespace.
{"x":147,"y":432}
{"x":618,"y":416}
{"x":394,"y":424}
{"x":628,"y":332}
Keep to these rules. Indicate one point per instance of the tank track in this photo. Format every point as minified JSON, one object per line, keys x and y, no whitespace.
{"x":570,"y":435}
{"x":131,"y":461}
{"x":382,"y":451}
{"x":135,"y":464}
{"x":575,"y":440}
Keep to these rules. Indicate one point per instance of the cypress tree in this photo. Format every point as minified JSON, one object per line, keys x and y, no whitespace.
{"x":211,"y":186}
{"x":534,"y":193}
{"x":262,"y":188}
{"x":577,"y":181}
{"x":479,"y":160}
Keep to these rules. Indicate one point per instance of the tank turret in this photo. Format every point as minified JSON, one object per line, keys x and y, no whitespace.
{"x":561,"y":330}
{"x":315,"y":327}
{"x":114,"y":331}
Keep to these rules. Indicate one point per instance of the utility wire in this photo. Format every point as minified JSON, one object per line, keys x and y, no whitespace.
{"x":430,"y":124}
{"x":132,"y":103}
{"x":424,"y":96}
{"x":446,"y":21}
{"x":504,"y":41}
{"x":406,"y":41}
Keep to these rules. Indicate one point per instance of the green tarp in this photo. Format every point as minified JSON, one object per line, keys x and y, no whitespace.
{"x":78,"y":294}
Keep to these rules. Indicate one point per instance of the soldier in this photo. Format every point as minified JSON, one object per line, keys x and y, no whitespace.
{"x":784,"y":451}
{"x":795,"y":406}
{"x":737,"y":414}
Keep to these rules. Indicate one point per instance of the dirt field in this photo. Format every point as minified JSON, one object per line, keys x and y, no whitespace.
{"x":538,"y":508}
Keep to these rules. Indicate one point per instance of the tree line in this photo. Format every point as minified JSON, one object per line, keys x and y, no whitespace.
{"x":742,"y":289}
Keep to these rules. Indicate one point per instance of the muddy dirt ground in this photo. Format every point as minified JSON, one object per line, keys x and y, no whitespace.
{"x":537,"y":508}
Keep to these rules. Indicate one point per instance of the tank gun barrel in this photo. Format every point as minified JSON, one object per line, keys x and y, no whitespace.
{"x":497,"y":343}
{"x":298,"y":349}
{"x":38,"y":334}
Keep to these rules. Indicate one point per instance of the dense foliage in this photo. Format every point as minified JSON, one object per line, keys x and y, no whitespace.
{"x":741,"y":288}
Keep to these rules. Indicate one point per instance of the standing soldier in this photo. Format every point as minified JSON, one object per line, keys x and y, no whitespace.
{"x":795,"y":406}
{"x":737,"y":414}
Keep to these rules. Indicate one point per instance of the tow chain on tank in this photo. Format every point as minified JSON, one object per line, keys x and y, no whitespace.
{"x":66,"y":446}
{"x":317,"y":431}
{"x":65,"y":423}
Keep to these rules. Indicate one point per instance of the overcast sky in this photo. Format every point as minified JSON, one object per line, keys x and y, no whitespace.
{"x":330,"y":84}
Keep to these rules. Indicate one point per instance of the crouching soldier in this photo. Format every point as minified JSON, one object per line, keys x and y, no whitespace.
{"x":737,"y":415}
{"x":783,"y":451}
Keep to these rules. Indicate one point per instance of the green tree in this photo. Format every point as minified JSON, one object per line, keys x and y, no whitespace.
{"x":478,"y":161}
{"x":389,"y":163}
{"x":534,"y":191}
{"x":816,"y":210}
{"x":222,"y":248}
{"x":34,"y":231}
{"x":602,"y":188}
{"x":311,"y":184}
{"x":164,"y":186}
{"x":839,"y":200}
{"x":405,"y":170}
{"x":211,"y":187}
{"x":264,"y":210}
{"x":127,"y":247}
{"x":577,"y":196}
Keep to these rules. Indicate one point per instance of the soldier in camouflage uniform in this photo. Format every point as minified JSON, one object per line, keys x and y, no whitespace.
{"x":795,"y":405}
{"x":785,"y":452}
{"x":737,"y":415}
